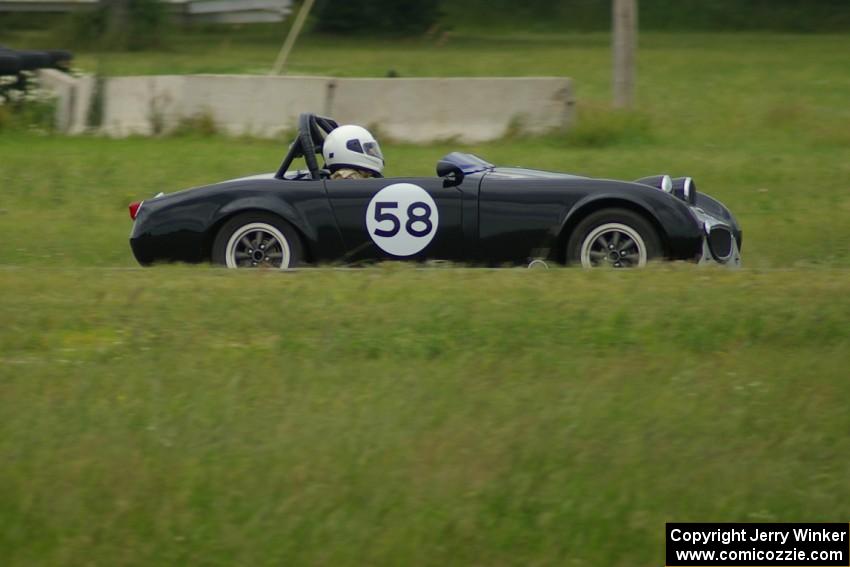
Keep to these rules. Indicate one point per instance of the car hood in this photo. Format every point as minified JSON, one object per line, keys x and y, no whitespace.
{"x":523,"y":173}
{"x":251,"y":177}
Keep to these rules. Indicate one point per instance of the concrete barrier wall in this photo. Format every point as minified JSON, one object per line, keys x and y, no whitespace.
{"x":258,"y":106}
{"x":469,"y":109}
{"x":64,"y":87}
{"x":142,"y":105}
{"x":82,"y":107}
{"x":414,"y":110}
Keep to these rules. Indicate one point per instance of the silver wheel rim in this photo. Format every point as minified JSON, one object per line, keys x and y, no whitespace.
{"x":613,"y":245}
{"x":257,"y":245}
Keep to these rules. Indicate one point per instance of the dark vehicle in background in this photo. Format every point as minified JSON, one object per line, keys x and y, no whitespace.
{"x":472,"y":212}
{"x":13,"y":62}
{"x":18,"y":66}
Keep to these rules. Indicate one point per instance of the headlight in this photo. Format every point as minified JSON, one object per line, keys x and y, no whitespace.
{"x":663,"y":182}
{"x":685,"y":189}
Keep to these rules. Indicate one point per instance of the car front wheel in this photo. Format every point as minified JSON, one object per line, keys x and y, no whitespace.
{"x":256,"y":240}
{"x":613,"y":238}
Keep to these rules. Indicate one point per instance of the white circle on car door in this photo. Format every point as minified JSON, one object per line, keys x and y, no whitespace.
{"x":402,"y":219}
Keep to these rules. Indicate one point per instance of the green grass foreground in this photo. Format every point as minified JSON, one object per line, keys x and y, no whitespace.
{"x":403,"y":416}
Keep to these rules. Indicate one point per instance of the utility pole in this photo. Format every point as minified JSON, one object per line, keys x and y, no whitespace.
{"x":625,"y":23}
{"x":283,"y":56}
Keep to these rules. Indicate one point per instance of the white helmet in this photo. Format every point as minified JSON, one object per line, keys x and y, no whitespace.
{"x":353,"y":146}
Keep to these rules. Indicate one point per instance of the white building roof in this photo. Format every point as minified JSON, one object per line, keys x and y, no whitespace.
{"x":222,"y":11}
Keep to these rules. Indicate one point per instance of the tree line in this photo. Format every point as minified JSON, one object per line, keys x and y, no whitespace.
{"x":366,"y":17}
{"x":139,"y":24}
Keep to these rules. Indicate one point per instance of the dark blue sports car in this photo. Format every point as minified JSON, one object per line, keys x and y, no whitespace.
{"x":471,"y":212}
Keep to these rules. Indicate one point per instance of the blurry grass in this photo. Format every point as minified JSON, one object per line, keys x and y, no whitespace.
{"x":423,"y":417}
{"x":600,"y":126}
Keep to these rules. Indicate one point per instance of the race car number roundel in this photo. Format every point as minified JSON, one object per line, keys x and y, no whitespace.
{"x":402,"y":219}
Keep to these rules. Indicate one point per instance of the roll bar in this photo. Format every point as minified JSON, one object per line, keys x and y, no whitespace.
{"x":312,"y":131}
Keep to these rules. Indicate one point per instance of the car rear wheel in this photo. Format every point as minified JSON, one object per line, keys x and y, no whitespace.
{"x":257,"y":240}
{"x":613,"y":238}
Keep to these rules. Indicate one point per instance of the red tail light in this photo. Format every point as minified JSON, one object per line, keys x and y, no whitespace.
{"x":134,"y":209}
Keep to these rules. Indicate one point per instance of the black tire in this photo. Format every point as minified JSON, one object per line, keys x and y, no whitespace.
{"x":599,"y":225}
{"x":229,"y":249}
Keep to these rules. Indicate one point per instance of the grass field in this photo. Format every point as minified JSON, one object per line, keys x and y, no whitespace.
{"x":394,"y":416}
{"x":412,"y":417}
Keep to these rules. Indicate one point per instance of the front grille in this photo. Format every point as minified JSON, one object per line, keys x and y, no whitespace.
{"x":720,"y":243}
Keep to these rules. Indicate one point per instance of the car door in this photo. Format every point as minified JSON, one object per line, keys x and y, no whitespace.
{"x":398,"y":219}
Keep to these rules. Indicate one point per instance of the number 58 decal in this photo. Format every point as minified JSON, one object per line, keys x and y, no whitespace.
{"x":402,"y":219}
